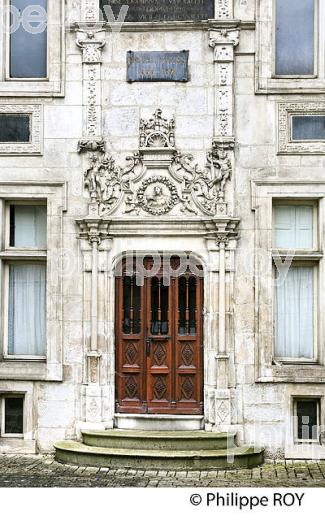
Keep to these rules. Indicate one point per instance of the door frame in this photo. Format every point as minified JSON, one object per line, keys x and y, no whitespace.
{"x":118,"y":295}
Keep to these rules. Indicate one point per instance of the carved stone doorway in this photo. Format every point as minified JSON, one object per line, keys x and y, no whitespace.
{"x":159,"y":339}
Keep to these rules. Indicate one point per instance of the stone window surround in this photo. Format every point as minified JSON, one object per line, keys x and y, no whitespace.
{"x":35,"y":145}
{"x":264,"y":192}
{"x":51,"y":368}
{"x":286,"y":146}
{"x":53,"y":85}
{"x":265,"y":81}
{"x":25,"y":443}
{"x":303,"y":450}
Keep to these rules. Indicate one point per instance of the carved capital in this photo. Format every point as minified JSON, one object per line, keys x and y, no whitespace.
{"x":92,"y":228}
{"x":91,"y":48}
{"x":223,"y":41}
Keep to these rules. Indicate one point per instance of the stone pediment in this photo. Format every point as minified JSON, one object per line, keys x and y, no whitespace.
{"x":159,"y":179}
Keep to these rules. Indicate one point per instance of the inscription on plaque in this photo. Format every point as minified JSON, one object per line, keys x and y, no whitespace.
{"x":161,"y":10}
{"x":157,"y":66}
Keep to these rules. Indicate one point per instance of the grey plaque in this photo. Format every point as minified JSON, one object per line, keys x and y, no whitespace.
{"x":157,"y":66}
{"x":161,"y":10}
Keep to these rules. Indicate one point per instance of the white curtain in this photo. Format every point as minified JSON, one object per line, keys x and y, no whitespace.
{"x":27,"y":310}
{"x":294,"y":314}
{"x":30,"y":226}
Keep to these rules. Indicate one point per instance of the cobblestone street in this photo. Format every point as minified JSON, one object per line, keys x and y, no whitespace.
{"x":43,"y":471}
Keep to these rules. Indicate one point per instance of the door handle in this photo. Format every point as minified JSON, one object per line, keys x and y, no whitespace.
{"x":148,"y":346}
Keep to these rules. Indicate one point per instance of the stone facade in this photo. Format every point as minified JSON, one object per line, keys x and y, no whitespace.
{"x":93,"y":155}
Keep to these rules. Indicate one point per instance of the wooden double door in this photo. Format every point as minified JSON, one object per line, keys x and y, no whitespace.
{"x":159,"y":343}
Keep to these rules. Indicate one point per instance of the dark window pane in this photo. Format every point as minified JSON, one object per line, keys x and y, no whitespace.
{"x":307,"y":419}
{"x":14,"y":128}
{"x":127,"y":305}
{"x":308,"y":128}
{"x":14,"y":415}
{"x":136,"y":307}
{"x":182,"y":306}
{"x":157,"y":10}
{"x":28,"y":44}
{"x":192,"y":305}
{"x":295,"y":37}
{"x":164,"y":309}
{"x":155,"y":306}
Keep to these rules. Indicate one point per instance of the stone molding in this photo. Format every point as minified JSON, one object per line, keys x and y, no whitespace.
{"x":35,"y":145}
{"x":286,"y":145}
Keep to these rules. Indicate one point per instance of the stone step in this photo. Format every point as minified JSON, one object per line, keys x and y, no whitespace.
{"x":76,"y":453}
{"x":157,"y":440}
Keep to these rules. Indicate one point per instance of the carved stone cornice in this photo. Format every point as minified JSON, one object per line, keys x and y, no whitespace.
{"x":91,"y":48}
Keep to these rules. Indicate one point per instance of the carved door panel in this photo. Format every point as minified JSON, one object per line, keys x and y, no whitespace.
{"x":159,"y":344}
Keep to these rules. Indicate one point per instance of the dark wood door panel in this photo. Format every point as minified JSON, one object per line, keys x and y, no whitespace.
{"x":159,"y":360}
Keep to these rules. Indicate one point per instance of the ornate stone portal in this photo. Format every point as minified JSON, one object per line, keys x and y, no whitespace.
{"x":161,"y":192}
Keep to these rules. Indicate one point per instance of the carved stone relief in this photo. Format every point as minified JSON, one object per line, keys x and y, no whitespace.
{"x":159,"y":179}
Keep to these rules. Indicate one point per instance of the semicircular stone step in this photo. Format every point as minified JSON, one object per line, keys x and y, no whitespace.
{"x":76,"y":453}
{"x":159,"y":440}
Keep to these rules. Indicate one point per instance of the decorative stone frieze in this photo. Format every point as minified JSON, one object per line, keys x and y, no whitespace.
{"x":184,"y":188}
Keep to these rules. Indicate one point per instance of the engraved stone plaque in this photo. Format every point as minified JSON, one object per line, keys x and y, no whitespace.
{"x":161,"y":10}
{"x":157,"y":66}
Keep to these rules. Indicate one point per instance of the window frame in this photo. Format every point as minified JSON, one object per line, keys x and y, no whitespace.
{"x":55,"y":195}
{"x":264,"y":192}
{"x":296,"y":439}
{"x":21,"y":256}
{"x":286,"y":111}
{"x":3,"y":398}
{"x":53,"y":84}
{"x":316,"y":46}
{"x":266,"y":82}
{"x":301,"y":258}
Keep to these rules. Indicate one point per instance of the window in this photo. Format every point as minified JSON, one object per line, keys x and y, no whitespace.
{"x":301,"y":127}
{"x":32,"y":43}
{"x":28,"y":39}
{"x":14,"y":128}
{"x":294,"y":63}
{"x":308,"y":128}
{"x":295,"y":37}
{"x":25,"y":275}
{"x":306,"y":420}
{"x":295,"y":308}
{"x":12,"y":415}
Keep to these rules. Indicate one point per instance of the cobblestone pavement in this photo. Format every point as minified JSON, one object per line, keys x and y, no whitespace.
{"x":43,"y":471}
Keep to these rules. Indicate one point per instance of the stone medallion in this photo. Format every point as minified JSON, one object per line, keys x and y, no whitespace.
{"x":157,"y":195}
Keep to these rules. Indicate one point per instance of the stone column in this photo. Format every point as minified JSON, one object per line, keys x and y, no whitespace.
{"x":93,"y":230}
{"x":224,"y":37}
{"x":91,"y":46}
